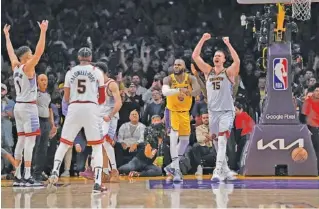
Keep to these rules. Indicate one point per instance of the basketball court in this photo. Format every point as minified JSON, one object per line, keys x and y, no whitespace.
{"x":266,"y":192}
{"x":273,"y":143}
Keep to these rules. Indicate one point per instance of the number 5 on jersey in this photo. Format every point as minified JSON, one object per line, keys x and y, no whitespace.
{"x":81,"y":86}
{"x":216,"y":85}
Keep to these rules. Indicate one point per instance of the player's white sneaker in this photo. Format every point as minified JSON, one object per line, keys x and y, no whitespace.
{"x":178,"y":176}
{"x":218,"y":175}
{"x":54,"y":178}
{"x":231,"y":175}
{"x":199,"y":171}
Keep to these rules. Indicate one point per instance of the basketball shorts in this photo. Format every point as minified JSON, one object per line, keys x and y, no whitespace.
{"x":27,"y":119}
{"x":178,"y":121}
{"x":221,"y":122}
{"x":86,"y":116}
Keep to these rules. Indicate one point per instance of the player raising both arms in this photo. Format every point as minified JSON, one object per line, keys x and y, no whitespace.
{"x":178,"y":88}
{"x":83,"y":90}
{"x":25,"y":110}
{"x":219,"y":81}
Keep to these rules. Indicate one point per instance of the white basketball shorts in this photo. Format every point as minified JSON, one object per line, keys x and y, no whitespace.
{"x":82,"y":115}
{"x":27,"y":119}
{"x":221,"y":122}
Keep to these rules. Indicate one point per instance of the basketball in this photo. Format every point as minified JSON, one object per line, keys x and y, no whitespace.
{"x":299,"y":155}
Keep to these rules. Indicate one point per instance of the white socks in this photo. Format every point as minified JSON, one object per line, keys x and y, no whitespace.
{"x":28,"y":151}
{"x":97,"y":156}
{"x":221,"y":151}
{"x":110,"y":153}
{"x":173,"y":149}
{"x":59,"y":155}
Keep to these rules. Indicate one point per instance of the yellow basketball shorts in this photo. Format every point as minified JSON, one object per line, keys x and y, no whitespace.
{"x":178,"y":121}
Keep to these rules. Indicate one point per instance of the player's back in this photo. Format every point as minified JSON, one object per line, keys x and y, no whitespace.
{"x":83,"y":81}
{"x":219,"y":92}
{"x":26,"y":89}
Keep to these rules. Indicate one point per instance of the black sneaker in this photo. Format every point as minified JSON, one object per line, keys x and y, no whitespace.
{"x":31,"y":182}
{"x":98,"y":188}
{"x":18,"y":182}
{"x":40,"y":177}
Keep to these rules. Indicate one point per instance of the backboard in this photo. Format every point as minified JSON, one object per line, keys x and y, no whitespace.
{"x":267,"y":1}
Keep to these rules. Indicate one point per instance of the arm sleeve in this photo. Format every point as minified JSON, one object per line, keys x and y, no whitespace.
{"x":167,"y":91}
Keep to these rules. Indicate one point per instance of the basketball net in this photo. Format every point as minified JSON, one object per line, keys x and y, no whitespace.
{"x":301,"y":9}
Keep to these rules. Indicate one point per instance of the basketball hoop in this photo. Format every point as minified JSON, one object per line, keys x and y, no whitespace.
{"x":301,"y":9}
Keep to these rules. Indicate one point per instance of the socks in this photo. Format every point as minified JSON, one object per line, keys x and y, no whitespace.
{"x":59,"y":155}
{"x":221,"y":151}
{"x":182,"y":145}
{"x":97,"y":155}
{"x":28,"y":151}
{"x":111,"y":154}
{"x":27,"y":172}
{"x":173,"y":149}
{"x":18,"y":171}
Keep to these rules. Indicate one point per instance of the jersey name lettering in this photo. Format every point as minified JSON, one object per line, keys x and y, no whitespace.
{"x":216,"y":79}
{"x":85,"y":73}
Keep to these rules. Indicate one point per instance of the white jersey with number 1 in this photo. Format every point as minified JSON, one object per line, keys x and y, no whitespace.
{"x":84,"y":82}
{"x":26,"y":89}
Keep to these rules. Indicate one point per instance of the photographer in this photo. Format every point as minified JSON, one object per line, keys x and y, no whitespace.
{"x":149,"y":158}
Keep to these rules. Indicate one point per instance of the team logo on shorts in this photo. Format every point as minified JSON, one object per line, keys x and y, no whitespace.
{"x":280,"y":74}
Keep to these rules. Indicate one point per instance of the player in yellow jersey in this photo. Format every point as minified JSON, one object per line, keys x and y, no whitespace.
{"x":179,"y":88}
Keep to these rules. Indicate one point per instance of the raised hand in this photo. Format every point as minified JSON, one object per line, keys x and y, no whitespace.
{"x":206,"y":36}
{"x":6,"y":29}
{"x":43,"y":25}
{"x":226,"y":40}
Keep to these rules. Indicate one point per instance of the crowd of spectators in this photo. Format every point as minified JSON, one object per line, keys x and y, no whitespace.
{"x":139,"y":40}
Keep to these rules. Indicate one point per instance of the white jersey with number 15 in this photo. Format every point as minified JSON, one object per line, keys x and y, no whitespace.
{"x":84,"y":82}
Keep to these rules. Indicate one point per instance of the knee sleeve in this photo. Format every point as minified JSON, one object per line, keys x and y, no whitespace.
{"x":173,"y":143}
{"x":19,"y":148}
{"x":182,"y":145}
{"x":28,"y":147}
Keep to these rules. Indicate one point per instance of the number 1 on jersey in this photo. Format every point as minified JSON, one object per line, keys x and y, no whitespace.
{"x":18,"y":83}
{"x":81,"y":86}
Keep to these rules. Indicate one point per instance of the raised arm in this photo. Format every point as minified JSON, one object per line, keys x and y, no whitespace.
{"x":29,"y":67}
{"x":13,"y":58}
{"x":166,"y":89}
{"x":233,"y":70}
{"x":202,"y":65}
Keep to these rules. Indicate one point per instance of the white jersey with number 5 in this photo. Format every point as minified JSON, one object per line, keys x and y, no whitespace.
{"x":84,"y":82}
{"x":26,"y":89}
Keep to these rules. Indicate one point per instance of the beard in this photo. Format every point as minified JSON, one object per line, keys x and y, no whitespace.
{"x":179,"y":72}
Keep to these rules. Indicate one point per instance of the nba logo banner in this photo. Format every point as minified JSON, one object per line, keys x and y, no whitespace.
{"x":280,"y":74}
